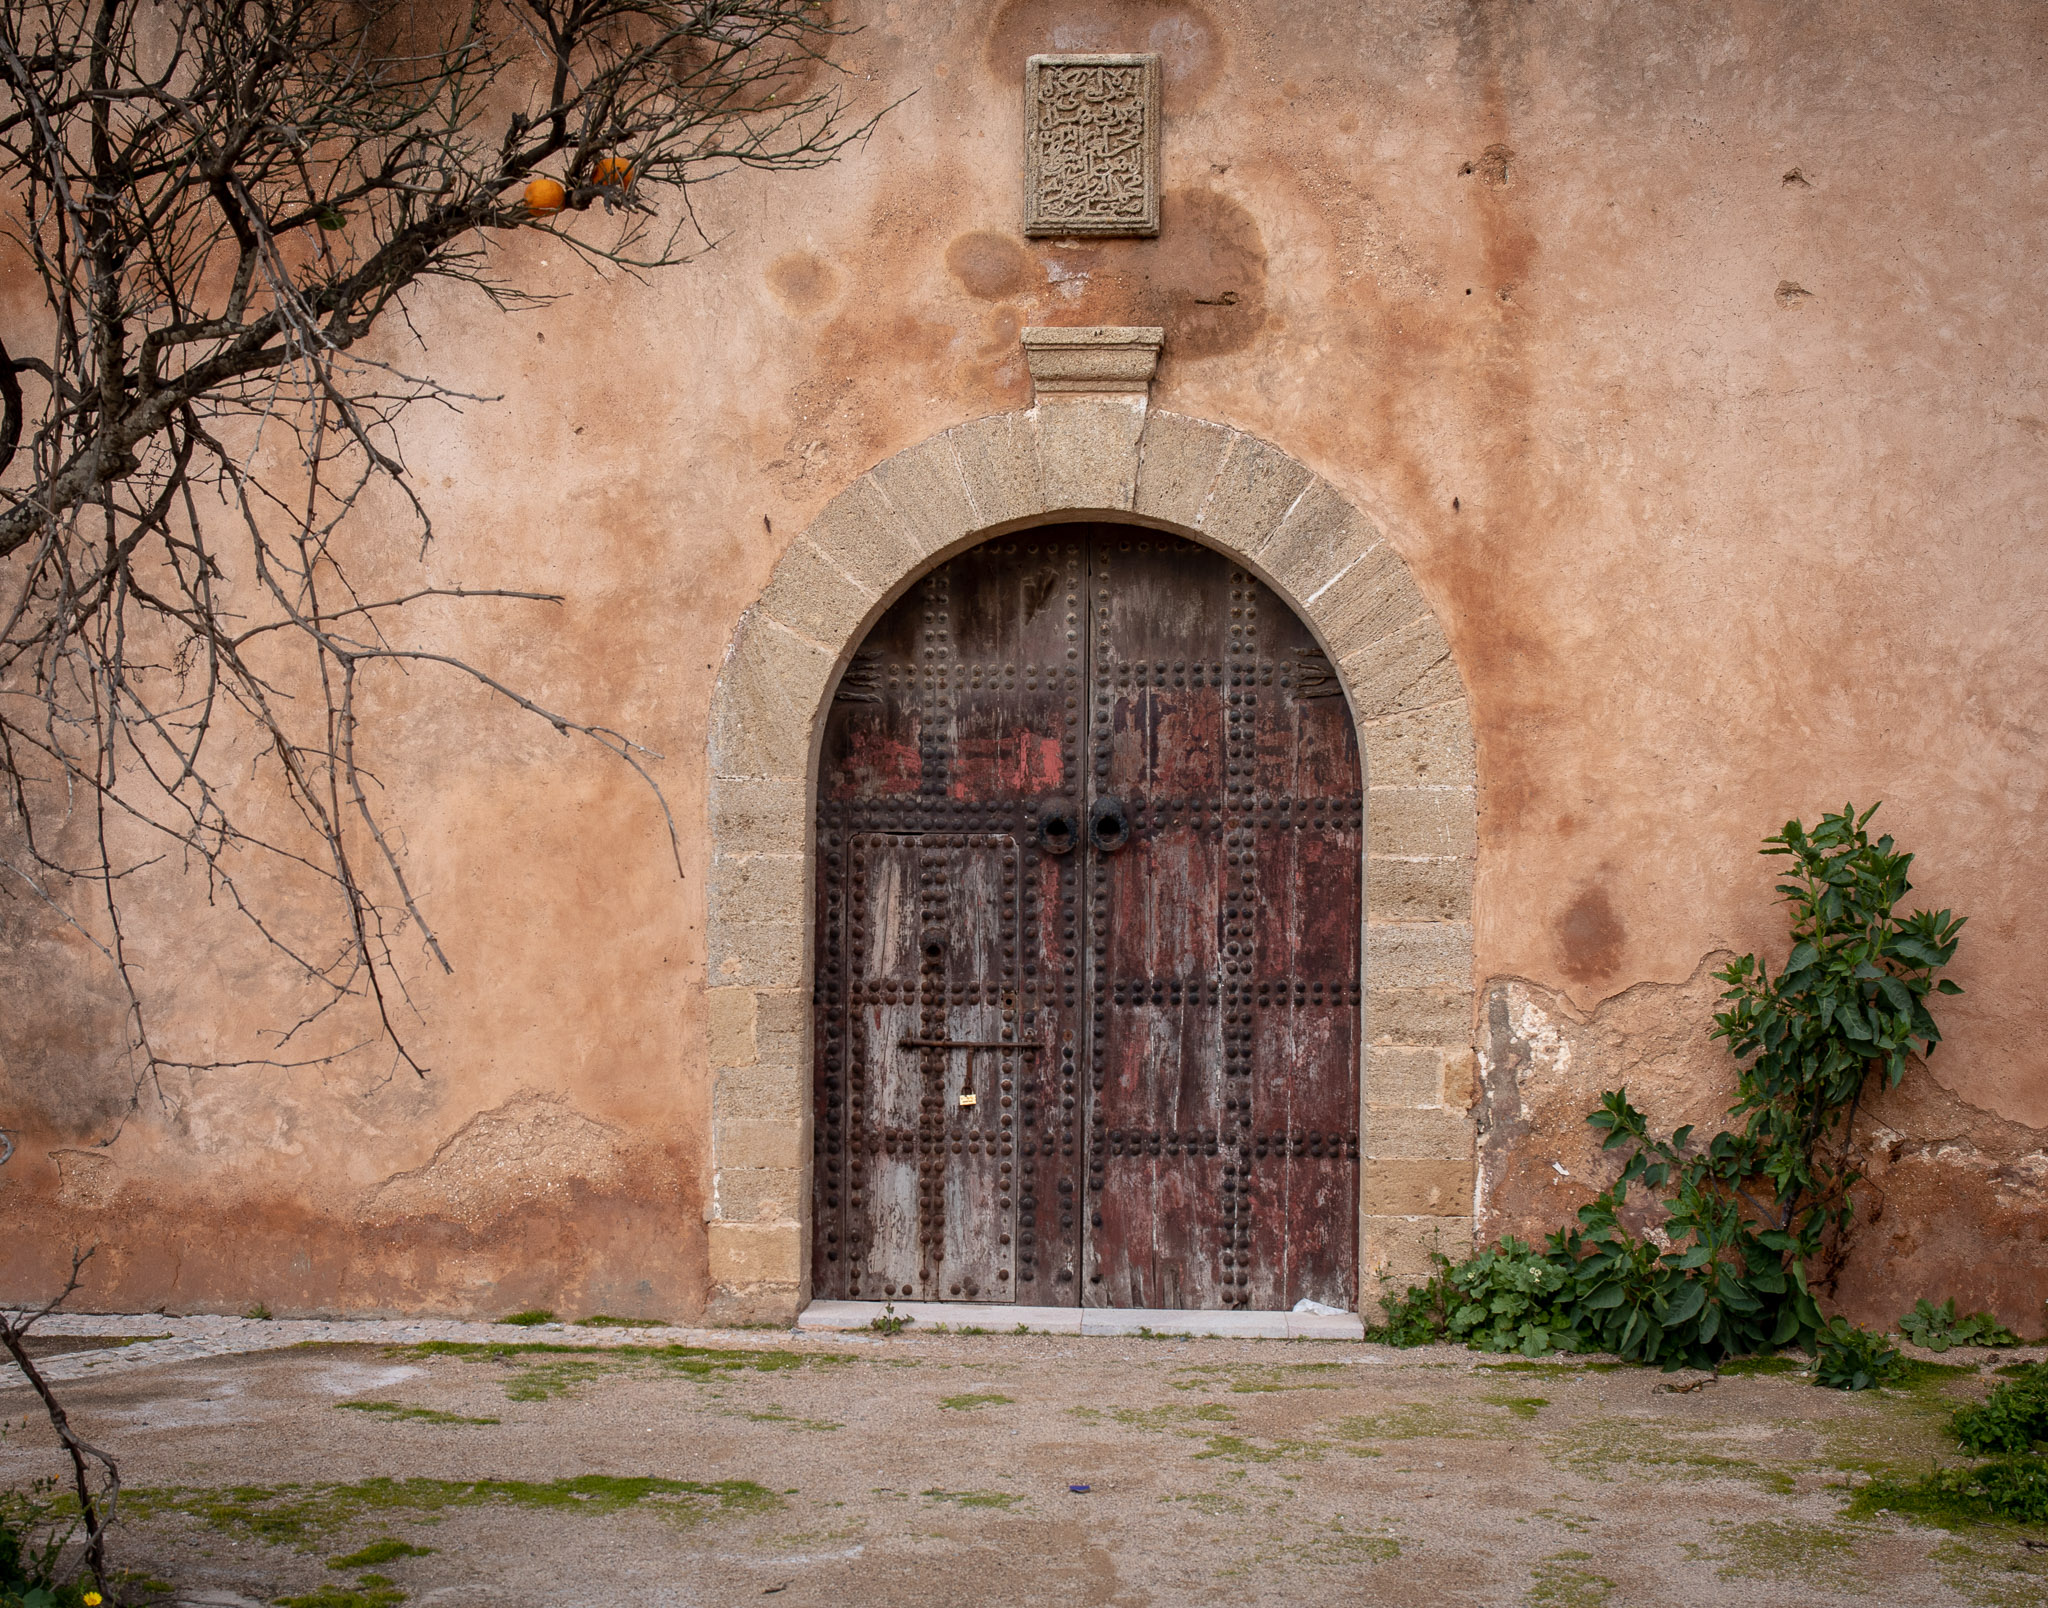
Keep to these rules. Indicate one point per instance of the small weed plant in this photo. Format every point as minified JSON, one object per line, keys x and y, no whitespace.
{"x":1937,"y":1327}
{"x":36,"y":1525}
{"x":1849,"y":1358}
{"x":890,"y":1321}
{"x":2012,"y":1419}
{"x":1745,"y":1213}
{"x":532,"y":1318}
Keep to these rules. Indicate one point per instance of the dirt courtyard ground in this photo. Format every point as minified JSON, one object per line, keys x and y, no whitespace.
{"x":561,"y":1468}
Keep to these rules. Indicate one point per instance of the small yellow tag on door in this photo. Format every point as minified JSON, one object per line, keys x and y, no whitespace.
{"x":967,"y":1099}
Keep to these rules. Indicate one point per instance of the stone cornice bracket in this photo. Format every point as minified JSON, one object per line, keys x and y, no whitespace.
{"x":1097,"y":358}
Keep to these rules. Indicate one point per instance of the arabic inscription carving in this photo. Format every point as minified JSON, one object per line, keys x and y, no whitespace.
{"x":1091,"y":135}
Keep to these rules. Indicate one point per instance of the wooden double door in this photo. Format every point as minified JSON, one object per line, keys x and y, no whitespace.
{"x":1087,"y":1007}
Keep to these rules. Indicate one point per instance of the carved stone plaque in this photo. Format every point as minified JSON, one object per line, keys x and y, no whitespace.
{"x":1091,"y":145}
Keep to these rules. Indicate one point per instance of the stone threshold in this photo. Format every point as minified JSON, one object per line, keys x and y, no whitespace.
{"x":1001,"y":1318}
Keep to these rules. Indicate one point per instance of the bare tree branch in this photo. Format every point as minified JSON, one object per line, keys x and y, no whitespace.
{"x":222,"y":204}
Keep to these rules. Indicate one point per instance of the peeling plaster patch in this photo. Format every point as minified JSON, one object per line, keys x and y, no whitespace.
{"x":502,"y":1161}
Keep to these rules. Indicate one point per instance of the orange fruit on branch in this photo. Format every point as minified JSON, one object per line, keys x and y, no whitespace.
{"x":613,"y":172}
{"x":545,"y":197}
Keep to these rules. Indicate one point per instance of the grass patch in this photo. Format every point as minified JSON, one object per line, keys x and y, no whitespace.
{"x":2011,"y":1490}
{"x":1786,"y":1549}
{"x":553,"y":1368}
{"x":302,"y":1515}
{"x":1659,"y":1449}
{"x":775,"y":1415}
{"x":604,"y":1320}
{"x":1332,"y":1546}
{"x":1520,"y":1406}
{"x":1260,"y":1379}
{"x":1002,"y":1500}
{"x":1992,"y":1578}
{"x":372,"y":1592}
{"x":1557,"y":1582}
{"x":967,"y":1404}
{"x":1239,"y":1449}
{"x":397,"y":1411}
{"x":1742,"y":1367}
{"x":531,"y":1318}
{"x":385,"y":1549}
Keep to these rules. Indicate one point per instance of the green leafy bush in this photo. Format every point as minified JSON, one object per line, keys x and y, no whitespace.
{"x":1849,"y":1358}
{"x":1744,"y":1214}
{"x":2013,"y":1418}
{"x":1937,"y":1327}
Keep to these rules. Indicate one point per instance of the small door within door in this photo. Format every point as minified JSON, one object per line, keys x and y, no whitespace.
{"x":1087,"y":1008}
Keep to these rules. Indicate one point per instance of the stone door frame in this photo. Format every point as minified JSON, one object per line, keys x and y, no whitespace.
{"x":1087,"y":457}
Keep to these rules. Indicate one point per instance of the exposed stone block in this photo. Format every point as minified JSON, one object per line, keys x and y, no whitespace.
{"x":763,"y":888}
{"x":753,"y":953}
{"x":767,"y":813}
{"x":1319,"y":537}
{"x":732,"y":1017}
{"x":1418,"y":1188}
{"x":743,"y":1255}
{"x":1401,"y":1131}
{"x":1430,"y":746}
{"x":758,"y":1194}
{"x":859,"y":532}
{"x":1088,"y":450}
{"x":1420,"y":820}
{"x":1177,"y":463}
{"x":749,"y":1142}
{"x":782,"y":1027}
{"x":770,"y":691}
{"x":1372,"y":599}
{"x":1402,"y":1075}
{"x":1461,"y":1078}
{"x":927,"y":496}
{"x":766,"y":1092}
{"x":998,"y":459}
{"x":1254,"y":489}
{"x":1440,"y":1016}
{"x":1418,"y":889}
{"x":816,"y":599}
{"x":1409,"y":669}
{"x":1397,"y":1249}
{"x":1418,"y":954}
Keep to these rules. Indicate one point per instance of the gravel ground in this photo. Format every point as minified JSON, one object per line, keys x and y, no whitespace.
{"x":942,"y":1469}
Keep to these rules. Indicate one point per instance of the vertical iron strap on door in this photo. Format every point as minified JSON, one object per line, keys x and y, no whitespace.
{"x":1085,"y":791}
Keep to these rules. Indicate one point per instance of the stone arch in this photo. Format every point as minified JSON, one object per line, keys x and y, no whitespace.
{"x":1085,"y":457}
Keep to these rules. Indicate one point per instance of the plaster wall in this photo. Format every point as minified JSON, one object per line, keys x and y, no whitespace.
{"x":1688,"y":358}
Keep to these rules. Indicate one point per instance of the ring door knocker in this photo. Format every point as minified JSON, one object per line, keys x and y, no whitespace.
{"x":1109,"y":828}
{"x":1057,"y":833}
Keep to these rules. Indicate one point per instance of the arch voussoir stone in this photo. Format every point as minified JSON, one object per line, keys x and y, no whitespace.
{"x":1076,"y":457}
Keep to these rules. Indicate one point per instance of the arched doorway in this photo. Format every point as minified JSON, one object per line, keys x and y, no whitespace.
{"x":1086,"y":939}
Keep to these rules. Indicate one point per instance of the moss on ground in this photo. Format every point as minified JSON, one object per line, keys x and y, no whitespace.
{"x":553,"y":1368}
{"x":1994,"y":1571}
{"x":1558,"y":1582}
{"x":393,"y":1411}
{"x":1260,"y":1379}
{"x":385,"y":1549}
{"x":1819,"y":1555}
{"x":968,"y":1403}
{"x":1520,"y":1406}
{"x":1003,"y":1500}
{"x":371,"y":1592}
{"x":775,"y":1415}
{"x":1661,"y":1448}
{"x":304,"y":1515}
